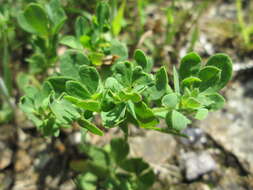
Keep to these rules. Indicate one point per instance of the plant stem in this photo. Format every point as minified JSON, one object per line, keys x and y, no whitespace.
{"x":6,"y":69}
{"x":241,"y":21}
{"x":5,"y":94}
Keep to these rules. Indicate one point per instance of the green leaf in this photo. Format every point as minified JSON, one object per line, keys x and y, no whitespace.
{"x":77,"y":90}
{"x":98,"y":162}
{"x":201,"y":114}
{"x":89,"y":77}
{"x":41,"y":99}
{"x":145,"y":116}
{"x":56,"y":14}
{"x":176,"y":80}
{"x":115,"y":116}
{"x":130,"y":108}
{"x":98,"y":157}
{"x":49,"y":127}
{"x":218,"y":101}
{"x":161,"y":84}
{"x":209,"y":77}
{"x":70,"y":63}
{"x":88,"y":104}
{"x":133,"y":96}
{"x":107,"y":101}
{"x":224,"y":63}
{"x":146,"y":180}
{"x":190,"y":81}
{"x":191,"y":103}
{"x":82,"y":26}
{"x":31,"y":91}
{"x":58,"y":83}
{"x":26,"y":104}
{"x":112,"y":84}
{"x":23,"y":80}
{"x":189,"y":66}
{"x":37,"y":63}
{"x":160,"y":112}
{"x":96,"y":58}
{"x":103,"y":14}
{"x":139,"y":77}
{"x":63,"y":110}
{"x":90,"y":127}
{"x":72,"y":42}
{"x":87,"y":181}
{"x":142,"y":60}
{"x":117,"y":20}
{"x":85,"y":40}
{"x":176,"y":120}
{"x":170,"y":100}
{"x":34,"y":20}
{"x":119,"y":149}
{"x":135,"y":165}
{"x":123,"y":73}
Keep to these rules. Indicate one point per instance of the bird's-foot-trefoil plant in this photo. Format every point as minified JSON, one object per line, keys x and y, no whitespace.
{"x":130,"y":94}
{"x":127,"y":91}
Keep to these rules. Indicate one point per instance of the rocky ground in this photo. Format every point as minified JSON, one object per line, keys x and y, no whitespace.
{"x":217,"y":155}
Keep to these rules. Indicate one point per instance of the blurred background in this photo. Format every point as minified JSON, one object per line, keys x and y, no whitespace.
{"x":219,"y":151}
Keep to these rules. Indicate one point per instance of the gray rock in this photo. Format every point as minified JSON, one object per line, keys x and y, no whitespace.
{"x":196,"y":137}
{"x":233,"y":129}
{"x":197,"y":164}
{"x":155,"y":147}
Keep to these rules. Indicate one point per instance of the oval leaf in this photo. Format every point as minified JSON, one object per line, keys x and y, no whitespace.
{"x":76,"y":89}
{"x":209,"y":77}
{"x":34,"y":20}
{"x":161,"y":84}
{"x":189,"y":66}
{"x":190,"y":81}
{"x":170,"y":100}
{"x":89,"y":77}
{"x":177,"y":121}
{"x":201,"y":114}
{"x":224,"y":63}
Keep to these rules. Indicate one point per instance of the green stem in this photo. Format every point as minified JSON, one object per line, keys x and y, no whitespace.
{"x":241,"y":21}
{"x":6,"y":67}
{"x":5,"y":94}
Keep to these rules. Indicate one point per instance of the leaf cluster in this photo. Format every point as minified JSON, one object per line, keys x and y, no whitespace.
{"x":130,"y":94}
{"x":44,"y":22}
{"x":93,"y":34}
{"x":110,"y":168}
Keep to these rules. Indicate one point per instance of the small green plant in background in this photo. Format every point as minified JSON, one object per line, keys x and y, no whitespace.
{"x":7,"y":36}
{"x":110,"y":168}
{"x":97,"y":35}
{"x":44,"y":22}
{"x":246,"y":30}
{"x":127,"y":92}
